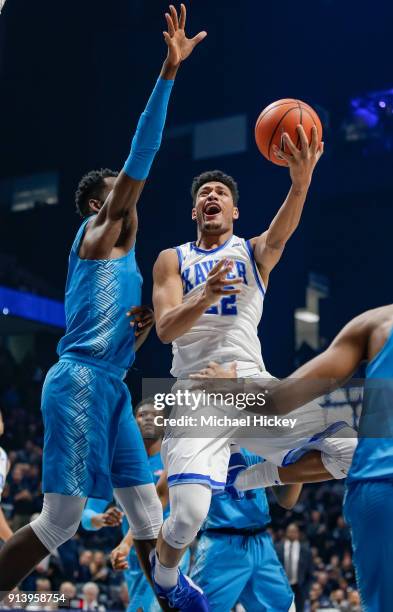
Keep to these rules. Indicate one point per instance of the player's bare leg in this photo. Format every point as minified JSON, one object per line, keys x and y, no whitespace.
{"x":19,"y":555}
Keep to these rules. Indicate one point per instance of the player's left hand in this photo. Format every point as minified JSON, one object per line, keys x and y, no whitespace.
{"x":142,"y":319}
{"x":215,"y":370}
{"x":216,"y":378}
{"x":301,"y":162}
{"x":179,"y":46}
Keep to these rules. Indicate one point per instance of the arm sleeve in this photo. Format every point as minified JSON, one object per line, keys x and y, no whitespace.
{"x":148,"y":135}
{"x":92,"y":508}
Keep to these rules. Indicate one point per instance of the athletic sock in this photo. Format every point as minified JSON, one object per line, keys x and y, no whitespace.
{"x":166,"y":577}
{"x":258,"y":476}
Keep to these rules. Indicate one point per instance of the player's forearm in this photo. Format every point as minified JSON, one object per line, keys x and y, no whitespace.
{"x":288,"y":495}
{"x":91,"y":520}
{"x":288,"y":217}
{"x":5,"y":530}
{"x":148,"y":135}
{"x":181,"y":319}
{"x":145,"y":144}
{"x":127,"y":540}
{"x":284,"y":396}
{"x":141,"y":339}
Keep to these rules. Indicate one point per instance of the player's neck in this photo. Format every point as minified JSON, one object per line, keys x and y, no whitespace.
{"x":152,"y":447}
{"x":209,"y":242}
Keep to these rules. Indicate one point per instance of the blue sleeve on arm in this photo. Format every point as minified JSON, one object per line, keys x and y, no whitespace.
{"x":92,"y":508}
{"x":148,"y":135}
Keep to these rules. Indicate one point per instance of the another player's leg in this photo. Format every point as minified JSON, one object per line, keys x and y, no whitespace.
{"x":320,"y":459}
{"x":368,"y":509}
{"x":133,"y":484}
{"x":222,"y":569}
{"x":57,"y":523}
{"x":189,"y":505}
{"x":268,"y":588}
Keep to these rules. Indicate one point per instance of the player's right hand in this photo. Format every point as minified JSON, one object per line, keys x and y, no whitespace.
{"x":179,"y":46}
{"x":111,"y":518}
{"x":119,"y":557}
{"x":217,"y":285}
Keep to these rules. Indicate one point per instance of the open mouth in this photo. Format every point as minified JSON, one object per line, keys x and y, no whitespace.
{"x":211,"y":209}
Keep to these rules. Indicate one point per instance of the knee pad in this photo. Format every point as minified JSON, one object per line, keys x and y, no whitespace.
{"x":59,"y":519}
{"x":189,"y":507}
{"x":337,"y":453}
{"x":143,"y":509}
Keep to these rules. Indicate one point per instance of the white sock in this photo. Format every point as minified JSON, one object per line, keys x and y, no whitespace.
{"x":258,"y":476}
{"x":166,"y":577}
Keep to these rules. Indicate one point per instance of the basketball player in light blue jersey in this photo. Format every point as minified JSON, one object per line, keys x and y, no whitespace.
{"x":92,"y":444}
{"x":235,"y":560}
{"x":97,"y":515}
{"x":368,"y":504}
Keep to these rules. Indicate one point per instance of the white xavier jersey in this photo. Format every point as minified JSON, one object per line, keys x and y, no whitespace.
{"x":227,"y":331}
{"x":3,"y":469}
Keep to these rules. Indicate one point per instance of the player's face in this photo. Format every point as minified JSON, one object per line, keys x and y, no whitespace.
{"x":96,"y":204}
{"x":214,"y":210}
{"x":109,"y":185}
{"x":145,"y":419}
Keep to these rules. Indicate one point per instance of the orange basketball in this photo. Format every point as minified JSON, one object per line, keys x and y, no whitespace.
{"x":283,"y":116}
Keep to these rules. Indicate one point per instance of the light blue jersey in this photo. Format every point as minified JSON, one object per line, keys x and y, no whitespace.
{"x":92,"y":443}
{"x":251,"y":512}
{"x":373,"y":459}
{"x":235,"y":560}
{"x":368,"y":504}
{"x":98,"y":295}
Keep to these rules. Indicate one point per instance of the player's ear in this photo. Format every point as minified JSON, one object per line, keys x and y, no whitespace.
{"x":95,"y":205}
{"x":193,"y":214}
{"x":235,"y":213}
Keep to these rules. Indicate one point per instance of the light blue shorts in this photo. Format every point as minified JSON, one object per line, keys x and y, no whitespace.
{"x":368,"y":510}
{"x":92,"y":443}
{"x":241,"y":569}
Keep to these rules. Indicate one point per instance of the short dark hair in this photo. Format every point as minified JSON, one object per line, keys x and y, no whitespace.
{"x":145,"y":402}
{"x":219,"y":177}
{"x":91,"y":186}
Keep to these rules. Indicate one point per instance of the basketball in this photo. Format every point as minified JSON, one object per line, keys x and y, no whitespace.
{"x":283,"y":116}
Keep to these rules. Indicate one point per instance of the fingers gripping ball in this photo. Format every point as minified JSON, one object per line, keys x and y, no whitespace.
{"x":280,"y":117}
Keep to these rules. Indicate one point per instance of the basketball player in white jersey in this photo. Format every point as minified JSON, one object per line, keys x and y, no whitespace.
{"x":5,"y":531}
{"x":208,"y":301}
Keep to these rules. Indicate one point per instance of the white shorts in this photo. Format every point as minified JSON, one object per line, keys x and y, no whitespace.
{"x":205,"y":460}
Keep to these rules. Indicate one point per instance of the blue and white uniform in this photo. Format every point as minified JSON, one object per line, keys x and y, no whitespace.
{"x":92,"y":442}
{"x":235,"y":560}
{"x":368,"y":504}
{"x":139,"y":590}
{"x":227,"y":332}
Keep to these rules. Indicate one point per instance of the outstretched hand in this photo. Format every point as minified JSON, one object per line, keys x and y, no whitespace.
{"x":179,"y":46}
{"x":301,"y":162}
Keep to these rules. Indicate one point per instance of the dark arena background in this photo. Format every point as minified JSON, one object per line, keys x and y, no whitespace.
{"x":74,"y":79}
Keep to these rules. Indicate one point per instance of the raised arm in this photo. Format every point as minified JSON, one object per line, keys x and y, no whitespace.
{"x":269,"y":246}
{"x":173,"y":317}
{"x":116,"y":222}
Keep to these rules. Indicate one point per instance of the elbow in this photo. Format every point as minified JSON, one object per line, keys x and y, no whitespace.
{"x":163,"y":334}
{"x":287,"y":505}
